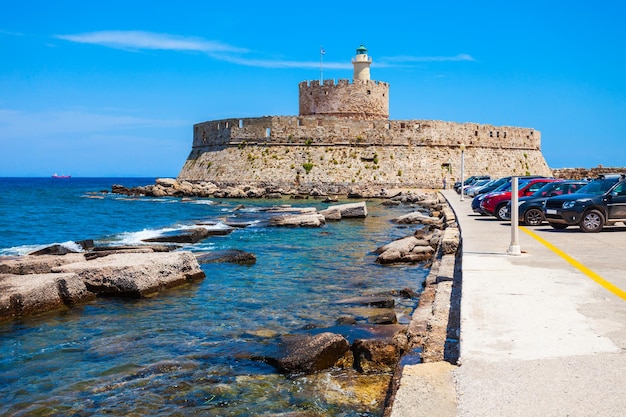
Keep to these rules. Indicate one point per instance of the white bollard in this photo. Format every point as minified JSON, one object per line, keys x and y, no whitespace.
{"x":514,"y":248}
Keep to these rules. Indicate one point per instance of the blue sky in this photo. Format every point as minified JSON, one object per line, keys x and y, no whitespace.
{"x":113,"y":88}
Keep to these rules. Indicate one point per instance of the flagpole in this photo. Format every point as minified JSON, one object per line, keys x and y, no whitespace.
{"x":321,"y":70}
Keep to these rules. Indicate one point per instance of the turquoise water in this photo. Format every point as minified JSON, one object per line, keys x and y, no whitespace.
{"x":184,"y":351}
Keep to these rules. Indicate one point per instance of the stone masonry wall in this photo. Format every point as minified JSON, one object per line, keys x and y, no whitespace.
{"x":361,"y":99}
{"x":318,"y":130}
{"x":335,"y":154}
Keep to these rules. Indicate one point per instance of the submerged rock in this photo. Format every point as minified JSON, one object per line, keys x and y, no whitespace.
{"x":372,"y":356}
{"x":309,"y":354}
{"x":368,"y":300}
{"x":228,"y":255}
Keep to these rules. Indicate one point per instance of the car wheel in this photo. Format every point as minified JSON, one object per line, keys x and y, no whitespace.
{"x":592,"y":221}
{"x":501,"y":212}
{"x":559,"y":226}
{"x":533,"y":217}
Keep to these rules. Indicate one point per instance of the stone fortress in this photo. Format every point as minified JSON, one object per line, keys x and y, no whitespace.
{"x":343,"y":138}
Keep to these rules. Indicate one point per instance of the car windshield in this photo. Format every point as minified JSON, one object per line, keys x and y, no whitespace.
{"x":599,"y":186}
{"x":479,"y":183}
{"x":547,"y":190}
{"x":509,"y":185}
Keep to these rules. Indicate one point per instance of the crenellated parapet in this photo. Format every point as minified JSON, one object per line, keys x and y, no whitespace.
{"x":328,"y":131}
{"x":361,"y":99}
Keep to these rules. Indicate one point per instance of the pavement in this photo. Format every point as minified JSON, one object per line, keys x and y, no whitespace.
{"x":542,"y":333}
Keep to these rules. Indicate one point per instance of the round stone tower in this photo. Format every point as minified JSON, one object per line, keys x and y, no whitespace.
{"x":361,"y":99}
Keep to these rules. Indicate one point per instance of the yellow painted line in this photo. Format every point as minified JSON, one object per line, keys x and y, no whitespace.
{"x":582,"y":268}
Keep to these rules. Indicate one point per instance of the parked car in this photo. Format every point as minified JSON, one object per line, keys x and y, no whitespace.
{"x":489,"y":186}
{"x":495,"y":203}
{"x":501,"y":184}
{"x":469,"y":181}
{"x":467,"y":190}
{"x":530,"y":208}
{"x":600,"y":203}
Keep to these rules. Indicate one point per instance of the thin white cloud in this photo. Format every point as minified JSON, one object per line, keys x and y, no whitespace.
{"x":141,"y":40}
{"x":138,"y":40}
{"x":411,"y":59}
{"x":269,"y":63}
{"x":6,"y":32}
{"x":14,"y":123}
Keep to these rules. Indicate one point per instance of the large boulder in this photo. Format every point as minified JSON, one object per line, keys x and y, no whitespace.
{"x":309,"y":354}
{"x":345,"y":211}
{"x":24,"y":295}
{"x":298,"y":220}
{"x":37,"y":264}
{"x":372,"y":356}
{"x":135,"y":274}
{"x":167,"y":182}
{"x":418,"y":218}
{"x":408,"y":249}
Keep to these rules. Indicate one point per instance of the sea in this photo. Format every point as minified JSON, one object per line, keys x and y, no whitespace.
{"x":190,"y":350}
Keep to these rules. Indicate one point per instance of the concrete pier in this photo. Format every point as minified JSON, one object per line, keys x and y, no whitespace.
{"x":542,"y":334}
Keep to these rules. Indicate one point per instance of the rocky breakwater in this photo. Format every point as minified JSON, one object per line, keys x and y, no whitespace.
{"x":34,"y":284}
{"x":169,"y":187}
{"x":434,"y":329}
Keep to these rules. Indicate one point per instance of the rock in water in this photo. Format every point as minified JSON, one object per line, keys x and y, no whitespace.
{"x":345,"y":211}
{"x":231,"y":255}
{"x":135,"y":274}
{"x":298,"y":220}
{"x":36,"y":293}
{"x":189,"y":235}
{"x":309,"y":354}
{"x":375,"y":355}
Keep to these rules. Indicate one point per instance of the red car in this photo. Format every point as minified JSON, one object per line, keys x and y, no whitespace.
{"x":495,"y":203}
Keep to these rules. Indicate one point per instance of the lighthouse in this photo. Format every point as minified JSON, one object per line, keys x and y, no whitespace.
{"x":361,"y":64}
{"x":361,"y":99}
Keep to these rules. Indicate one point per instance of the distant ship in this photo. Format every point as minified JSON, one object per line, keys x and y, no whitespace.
{"x":55,"y":175}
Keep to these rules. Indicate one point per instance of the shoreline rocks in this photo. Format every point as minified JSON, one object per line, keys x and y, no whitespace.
{"x":170,"y":187}
{"x":35,"y":284}
{"x":24,"y":295}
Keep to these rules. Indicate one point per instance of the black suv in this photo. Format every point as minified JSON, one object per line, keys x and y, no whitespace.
{"x":599,"y":203}
{"x":530,"y":208}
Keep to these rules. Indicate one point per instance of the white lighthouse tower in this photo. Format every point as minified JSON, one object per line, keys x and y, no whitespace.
{"x":361,"y":64}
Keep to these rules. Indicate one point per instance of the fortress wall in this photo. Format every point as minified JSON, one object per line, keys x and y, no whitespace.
{"x":362,"y":99}
{"x":335,"y":168}
{"x":318,"y":130}
{"x":328,"y":152}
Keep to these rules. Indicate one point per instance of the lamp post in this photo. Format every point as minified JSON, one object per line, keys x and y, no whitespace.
{"x":462,"y":170}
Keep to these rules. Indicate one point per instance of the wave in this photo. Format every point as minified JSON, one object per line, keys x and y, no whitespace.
{"x":26,"y":249}
{"x":138,"y":237}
